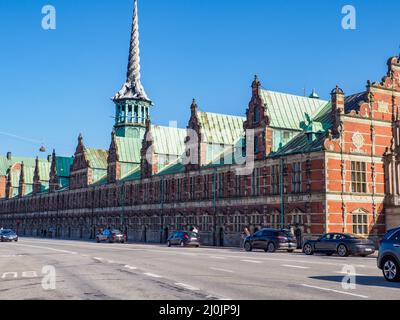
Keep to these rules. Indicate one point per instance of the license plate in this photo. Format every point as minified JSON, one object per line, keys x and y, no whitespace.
{"x":369,"y":250}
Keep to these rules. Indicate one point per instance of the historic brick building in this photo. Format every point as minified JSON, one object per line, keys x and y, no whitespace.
{"x":317,"y":166}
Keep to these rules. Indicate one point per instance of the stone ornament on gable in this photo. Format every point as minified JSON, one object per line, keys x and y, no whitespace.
{"x":358,"y":141}
{"x":383,"y":107}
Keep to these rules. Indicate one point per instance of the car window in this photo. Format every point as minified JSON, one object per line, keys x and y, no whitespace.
{"x":258,"y":234}
{"x":327,"y":237}
{"x":266,"y":233}
{"x":390,"y":233}
{"x":338,"y":237}
{"x":396,"y":237}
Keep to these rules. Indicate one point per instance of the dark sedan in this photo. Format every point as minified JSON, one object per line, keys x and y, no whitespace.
{"x":184,"y":239}
{"x":340,"y":243}
{"x":271,"y":240}
{"x":8,"y":236}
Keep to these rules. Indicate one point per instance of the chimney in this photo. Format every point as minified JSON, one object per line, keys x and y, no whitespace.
{"x":9,"y":155}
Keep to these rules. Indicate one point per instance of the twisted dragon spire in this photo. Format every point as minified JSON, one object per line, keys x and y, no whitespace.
{"x":133,"y":88}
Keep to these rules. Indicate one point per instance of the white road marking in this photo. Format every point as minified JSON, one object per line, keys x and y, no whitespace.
{"x":335,"y":291}
{"x":251,"y":261}
{"x":97,"y":258}
{"x":47,"y":248}
{"x":222,"y":270}
{"x":130,"y":267}
{"x":295,"y":267}
{"x":354,"y":274}
{"x":152,"y":275}
{"x":218,"y":257}
{"x":186,"y":286}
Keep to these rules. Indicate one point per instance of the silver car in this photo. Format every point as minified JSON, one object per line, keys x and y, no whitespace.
{"x":389,"y":255}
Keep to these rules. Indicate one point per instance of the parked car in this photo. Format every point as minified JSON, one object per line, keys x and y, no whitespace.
{"x":271,"y":240}
{"x":341,"y":243}
{"x":184,"y":239}
{"x":8,"y":235}
{"x":389,"y":255}
{"x":111,"y":236}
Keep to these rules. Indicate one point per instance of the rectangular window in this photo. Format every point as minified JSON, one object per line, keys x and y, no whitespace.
{"x":296,"y":177}
{"x":275,"y":179}
{"x":358,"y":177}
{"x":237,"y":185}
{"x":360,"y":224}
{"x":221,"y":185}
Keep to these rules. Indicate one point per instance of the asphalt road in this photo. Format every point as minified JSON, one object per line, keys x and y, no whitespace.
{"x":85,"y":270}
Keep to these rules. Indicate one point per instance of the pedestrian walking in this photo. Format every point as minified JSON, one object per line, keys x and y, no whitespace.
{"x":245,"y":234}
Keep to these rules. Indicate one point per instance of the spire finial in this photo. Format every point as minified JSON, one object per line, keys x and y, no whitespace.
{"x":133,"y":88}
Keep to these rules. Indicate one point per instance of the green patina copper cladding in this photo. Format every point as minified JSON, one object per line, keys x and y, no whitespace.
{"x":287,"y":111}
{"x":220,"y":128}
{"x":129,"y":149}
{"x":130,"y":118}
{"x":168,"y":140}
{"x":5,"y":163}
{"x":97,"y":159}
{"x":63,"y":166}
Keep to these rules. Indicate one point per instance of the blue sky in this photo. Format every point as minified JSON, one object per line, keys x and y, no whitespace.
{"x":55,"y":84}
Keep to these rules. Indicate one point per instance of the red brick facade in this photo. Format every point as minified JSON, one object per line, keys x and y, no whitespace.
{"x":349,"y":184}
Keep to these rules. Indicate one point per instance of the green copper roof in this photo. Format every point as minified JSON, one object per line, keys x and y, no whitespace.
{"x":133,"y":175}
{"x":301,"y":144}
{"x":97,"y":158}
{"x":287,"y":111}
{"x":129,"y":149}
{"x":221,"y":128}
{"x":5,"y":164}
{"x":63,"y":165}
{"x":168,"y":140}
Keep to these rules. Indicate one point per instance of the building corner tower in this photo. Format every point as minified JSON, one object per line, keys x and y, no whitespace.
{"x":132,"y":106}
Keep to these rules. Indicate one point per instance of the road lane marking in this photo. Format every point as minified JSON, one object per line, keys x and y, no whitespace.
{"x":186,"y":286}
{"x":47,"y":248}
{"x":130,"y":267}
{"x":152,"y":275}
{"x":251,"y":261}
{"x":295,"y":267}
{"x":335,"y":291}
{"x":97,"y":258}
{"x":130,"y":247}
{"x":222,"y":270}
{"x":218,"y":257}
{"x":352,"y":274}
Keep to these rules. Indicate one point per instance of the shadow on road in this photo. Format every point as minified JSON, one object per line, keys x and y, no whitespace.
{"x":361,"y":280}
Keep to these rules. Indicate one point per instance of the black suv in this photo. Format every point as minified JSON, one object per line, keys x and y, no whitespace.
{"x":389,"y":255}
{"x":271,"y":240}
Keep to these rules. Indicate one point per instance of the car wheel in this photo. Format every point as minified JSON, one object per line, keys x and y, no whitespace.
{"x":169,"y":243}
{"x":248,"y":247}
{"x":16,"y":240}
{"x":308,"y":250}
{"x":271,"y":247}
{"x":182,"y":244}
{"x":342,"y":251}
{"x":97,"y":240}
{"x":391,"y":270}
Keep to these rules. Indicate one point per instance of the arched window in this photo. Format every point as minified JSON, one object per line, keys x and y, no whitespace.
{"x":297,"y":217}
{"x":360,"y":222}
{"x":275,"y":219}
